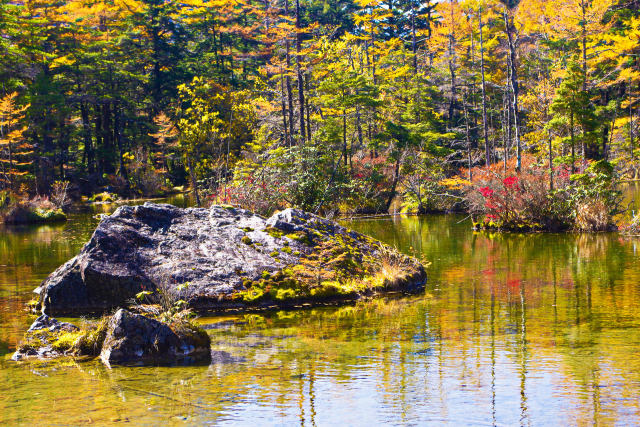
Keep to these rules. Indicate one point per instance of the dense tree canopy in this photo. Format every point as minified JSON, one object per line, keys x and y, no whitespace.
{"x":310,"y":101}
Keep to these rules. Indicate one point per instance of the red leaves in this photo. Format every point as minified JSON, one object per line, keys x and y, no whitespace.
{"x":510,"y":181}
{"x":486,"y":192}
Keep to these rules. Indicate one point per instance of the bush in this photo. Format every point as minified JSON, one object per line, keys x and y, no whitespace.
{"x":60,"y":195}
{"x":525,"y":202}
{"x":32,"y":211}
{"x":144,"y":178}
{"x":262,"y":193}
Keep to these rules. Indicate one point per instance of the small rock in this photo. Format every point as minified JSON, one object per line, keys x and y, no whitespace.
{"x":136,"y":339}
{"x":53,"y":325}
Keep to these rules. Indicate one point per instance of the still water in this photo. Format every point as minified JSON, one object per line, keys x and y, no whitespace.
{"x":537,"y":329}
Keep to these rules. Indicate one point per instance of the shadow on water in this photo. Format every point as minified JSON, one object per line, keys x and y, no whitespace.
{"x":511,"y":329}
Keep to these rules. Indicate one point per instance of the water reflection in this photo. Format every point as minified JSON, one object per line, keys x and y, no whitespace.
{"x":516,"y":330}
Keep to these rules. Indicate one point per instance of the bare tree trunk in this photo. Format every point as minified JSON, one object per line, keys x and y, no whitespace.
{"x":288,"y":78}
{"x":452,"y":73}
{"x":299,"y":72}
{"x":466,"y":122}
{"x":514,"y":86}
{"x":287,"y":136}
{"x":484,"y":92}
{"x":507,"y":141}
{"x":344,"y":136}
{"x":550,"y":164}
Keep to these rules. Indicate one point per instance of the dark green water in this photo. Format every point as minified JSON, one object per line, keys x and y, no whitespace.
{"x":510,"y":330}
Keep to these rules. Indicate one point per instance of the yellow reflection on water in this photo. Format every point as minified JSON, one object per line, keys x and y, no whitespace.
{"x":510,"y":330}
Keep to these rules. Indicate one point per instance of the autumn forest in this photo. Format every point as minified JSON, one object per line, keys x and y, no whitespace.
{"x":334,"y":106}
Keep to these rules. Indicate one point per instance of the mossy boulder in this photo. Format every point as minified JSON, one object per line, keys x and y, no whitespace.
{"x":123,"y":338}
{"x":231,"y":258}
{"x":47,"y":338}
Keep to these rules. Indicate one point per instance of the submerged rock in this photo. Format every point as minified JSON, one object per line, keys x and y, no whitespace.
{"x":230,"y":258}
{"x":133,"y":338}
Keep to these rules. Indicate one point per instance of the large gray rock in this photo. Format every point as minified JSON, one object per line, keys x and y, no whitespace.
{"x":228,"y":256}
{"x":136,"y":339}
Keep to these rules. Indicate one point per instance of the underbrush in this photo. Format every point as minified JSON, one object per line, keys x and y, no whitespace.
{"x":526,"y":201}
{"x":36,"y":210}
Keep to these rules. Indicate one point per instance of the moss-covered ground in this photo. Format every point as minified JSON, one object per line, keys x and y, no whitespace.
{"x":336,"y":264}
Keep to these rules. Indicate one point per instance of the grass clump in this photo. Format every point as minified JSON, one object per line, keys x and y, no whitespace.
{"x":90,"y":342}
{"x":274,"y":232}
{"x":104,"y":197}
{"x":246,"y":240}
{"x":339,"y":266}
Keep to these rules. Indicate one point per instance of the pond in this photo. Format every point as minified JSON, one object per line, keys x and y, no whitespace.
{"x":511,"y":329}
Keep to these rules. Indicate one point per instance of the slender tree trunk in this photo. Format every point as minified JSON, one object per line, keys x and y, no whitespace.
{"x":573,"y":145}
{"x":429,"y":34}
{"x":344,"y":136}
{"x":359,"y":128}
{"x":107,"y":138}
{"x":288,"y":78}
{"x":466,"y":122}
{"x":307,"y":108}
{"x":583,"y":25}
{"x":299,"y":71}
{"x":287,"y":136}
{"x":484,"y":91}
{"x":394,"y":185}
{"x":514,"y":87}
{"x":194,"y":183}
{"x":99,"y":140}
{"x":86,"y":130}
{"x":508,"y":139}
{"x":118,"y":135}
{"x":215,"y":45}
{"x":413,"y":37}
{"x":550,"y":164}
{"x":631,"y":135}
{"x":452,"y":74}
